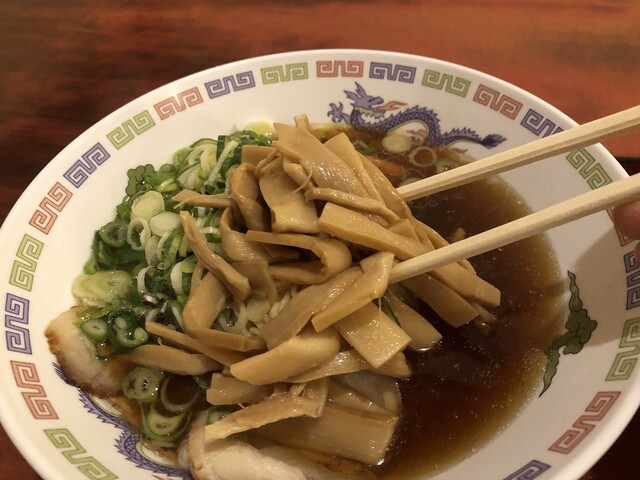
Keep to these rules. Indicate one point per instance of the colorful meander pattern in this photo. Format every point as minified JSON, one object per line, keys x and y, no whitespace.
{"x":17,"y":333}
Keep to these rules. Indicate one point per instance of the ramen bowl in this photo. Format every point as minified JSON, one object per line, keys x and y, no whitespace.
{"x":583,"y":385}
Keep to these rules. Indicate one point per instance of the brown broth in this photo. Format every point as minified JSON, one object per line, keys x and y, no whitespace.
{"x":469,"y":388}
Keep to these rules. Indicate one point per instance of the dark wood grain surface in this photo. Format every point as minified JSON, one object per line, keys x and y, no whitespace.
{"x":66,"y":64}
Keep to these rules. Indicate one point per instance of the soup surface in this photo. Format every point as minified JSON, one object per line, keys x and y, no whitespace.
{"x":472,"y":385}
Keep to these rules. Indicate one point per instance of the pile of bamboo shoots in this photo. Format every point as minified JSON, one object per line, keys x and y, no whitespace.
{"x":320,"y":220}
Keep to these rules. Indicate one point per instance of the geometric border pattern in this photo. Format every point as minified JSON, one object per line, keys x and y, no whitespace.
{"x":22,"y":273}
{"x":178,"y":103}
{"x":339,"y":68}
{"x":128,"y":130}
{"x":26,"y":377}
{"x":68,"y":445}
{"x":45,"y":216}
{"x":225,"y":85}
{"x":497,"y":101}
{"x":447,"y":82}
{"x":595,"y":412}
{"x":632,"y":269}
{"x":625,"y":361}
{"x":537,"y":124}
{"x":284,"y":73}
{"x":91,"y":160}
{"x":393,"y":72}
{"x":594,"y":174}
{"x":16,"y":315}
{"x":531,"y":470}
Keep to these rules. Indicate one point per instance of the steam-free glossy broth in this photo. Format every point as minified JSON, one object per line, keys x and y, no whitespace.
{"x":473,"y":384}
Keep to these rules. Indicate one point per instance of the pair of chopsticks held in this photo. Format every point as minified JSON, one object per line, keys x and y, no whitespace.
{"x":582,"y":205}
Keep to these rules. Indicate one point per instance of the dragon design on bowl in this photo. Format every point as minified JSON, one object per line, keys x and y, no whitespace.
{"x":369,"y":114}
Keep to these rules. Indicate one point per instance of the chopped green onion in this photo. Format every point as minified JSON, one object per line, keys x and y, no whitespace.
{"x":104,"y":350}
{"x":101,"y":288}
{"x":216,"y":414}
{"x":123,"y":210}
{"x":138,"y":233}
{"x":121,"y":323}
{"x":165,"y":429}
{"x":129,"y":340}
{"x":203,"y":141}
{"x":142,"y":384}
{"x":95,"y":329}
{"x":164,"y":222}
{"x":114,"y":233}
{"x":397,"y":143}
{"x":151,"y":250}
{"x":147,"y":205}
{"x":176,"y":278}
{"x":363,"y":148}
{"x":169,"y":258}
{"x":229,"y":147}
{"x":188,"y":265}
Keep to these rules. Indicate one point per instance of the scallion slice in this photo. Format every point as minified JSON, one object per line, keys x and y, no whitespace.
{"x":128,"y":340}
{"x":95,"y":329}
{"x":142,"y":384}
{"x":114,"y":233}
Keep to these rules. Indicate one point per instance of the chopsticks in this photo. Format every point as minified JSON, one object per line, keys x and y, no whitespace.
{"x":604,"y":197}
{"x":537,"y":222}
{"x":589,"y":133}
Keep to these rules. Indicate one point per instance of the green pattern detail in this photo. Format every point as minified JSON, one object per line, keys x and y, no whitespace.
{"x":284,"y":73}
{"x":595,"y":175}
{"x":24,"y":267}
{"x":126,"y":132}
{"x":625,"y":361}
{"x":456,"y":85}
{"x":66,"y":443}
{"x":579,"y":328}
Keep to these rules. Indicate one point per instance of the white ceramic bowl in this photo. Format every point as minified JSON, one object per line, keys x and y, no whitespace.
{"x":46,"y":240}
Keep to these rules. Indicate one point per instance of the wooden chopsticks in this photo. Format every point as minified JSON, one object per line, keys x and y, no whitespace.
{"x":604,"y":197}
{"x":595,"y":131}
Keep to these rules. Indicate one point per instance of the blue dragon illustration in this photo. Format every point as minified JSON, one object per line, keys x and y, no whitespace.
{"x":365,"y":105}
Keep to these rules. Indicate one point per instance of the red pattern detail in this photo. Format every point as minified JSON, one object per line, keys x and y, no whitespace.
{"x":35,"y":397}
{"x":179,"y":103}
{"x":595,"y":412}
{"x":493,"y":99}
{"x":339,"y":68}
{"x":55,"y":201}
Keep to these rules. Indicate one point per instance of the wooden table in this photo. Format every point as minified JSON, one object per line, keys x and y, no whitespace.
{"x":66,"y":64}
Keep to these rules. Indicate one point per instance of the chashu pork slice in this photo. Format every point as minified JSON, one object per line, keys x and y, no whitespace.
{"x":231,"y":459}
{"x":77,"y":357}
{"x":240,"y":457}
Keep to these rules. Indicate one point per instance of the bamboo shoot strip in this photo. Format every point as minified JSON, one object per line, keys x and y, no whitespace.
{"x":590,"y":133}
{"x":538,"y":222}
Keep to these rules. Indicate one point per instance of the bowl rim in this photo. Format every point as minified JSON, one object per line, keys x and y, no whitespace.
{"x":580,"y":463}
